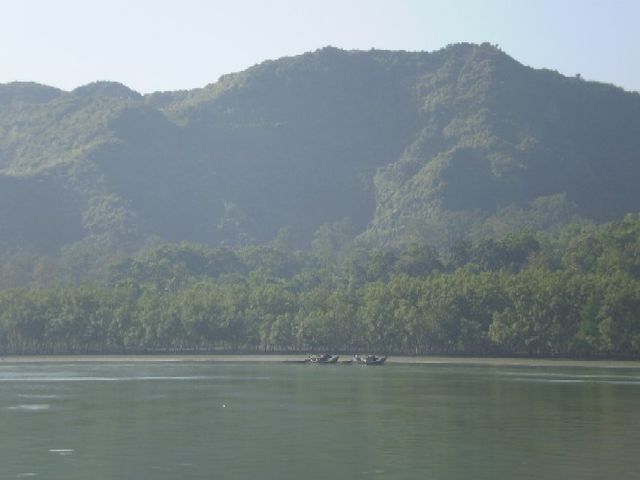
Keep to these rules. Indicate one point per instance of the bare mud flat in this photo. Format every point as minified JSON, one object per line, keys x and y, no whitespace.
{"x":425,"y":360}
{"x":519,"y":361}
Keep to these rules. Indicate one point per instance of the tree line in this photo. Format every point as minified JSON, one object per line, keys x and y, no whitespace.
{"x":576,"y":293}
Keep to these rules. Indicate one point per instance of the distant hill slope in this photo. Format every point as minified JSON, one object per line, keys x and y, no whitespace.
{"x":409,"y":146}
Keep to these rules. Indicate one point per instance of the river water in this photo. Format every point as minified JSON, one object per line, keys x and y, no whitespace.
{"x":166,"y":421}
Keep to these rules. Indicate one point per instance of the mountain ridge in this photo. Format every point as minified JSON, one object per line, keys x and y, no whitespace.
{"x":410,"y":146}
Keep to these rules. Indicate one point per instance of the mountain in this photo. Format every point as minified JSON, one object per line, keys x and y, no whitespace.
{"x":410,"y":146}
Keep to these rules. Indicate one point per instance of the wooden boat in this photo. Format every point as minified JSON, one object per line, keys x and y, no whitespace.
{"x":325,"y":358}
{"x":369,"y":359}
{"x":374,"y":360}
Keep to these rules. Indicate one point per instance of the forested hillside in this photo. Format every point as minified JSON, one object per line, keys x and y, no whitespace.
{"x":462,"y":143}
{"x":446,"y":202}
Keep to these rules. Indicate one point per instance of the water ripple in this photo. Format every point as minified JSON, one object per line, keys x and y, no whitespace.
{"x":31,"y":407}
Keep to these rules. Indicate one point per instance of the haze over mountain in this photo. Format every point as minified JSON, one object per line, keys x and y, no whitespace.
{"x":411,"y":147}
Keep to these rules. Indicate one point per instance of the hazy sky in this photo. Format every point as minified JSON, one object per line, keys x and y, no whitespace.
{"x":154,"y":45}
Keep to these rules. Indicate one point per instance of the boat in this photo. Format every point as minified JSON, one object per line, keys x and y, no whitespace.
{"x":370,"y":359}
{"x":324,"y":358}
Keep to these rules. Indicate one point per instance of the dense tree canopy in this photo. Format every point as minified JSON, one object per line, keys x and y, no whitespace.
{"x":405,"y":202}
{"x":576,"y":293}
{"x":413,"y":147}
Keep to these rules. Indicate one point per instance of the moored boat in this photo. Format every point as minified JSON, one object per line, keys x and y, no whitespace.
{"x":370,"y":359}
{"x":324,"y":358}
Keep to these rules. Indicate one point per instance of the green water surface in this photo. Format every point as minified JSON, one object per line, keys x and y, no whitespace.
{"x":271,"y":421}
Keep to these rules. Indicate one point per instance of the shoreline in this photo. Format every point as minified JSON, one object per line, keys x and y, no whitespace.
{"x":397,"y":360}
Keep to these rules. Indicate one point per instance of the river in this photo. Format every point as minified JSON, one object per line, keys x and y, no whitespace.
{"x":200,"y":420}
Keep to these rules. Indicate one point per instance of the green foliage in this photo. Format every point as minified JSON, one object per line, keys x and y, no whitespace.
{"x":573,"y":294}
{"x":462,"y":143}
{"x":449,"y":200}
